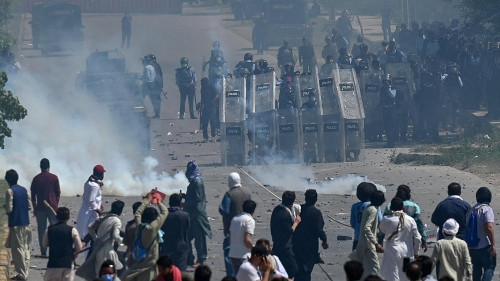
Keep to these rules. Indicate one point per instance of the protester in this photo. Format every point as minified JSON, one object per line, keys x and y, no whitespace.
{"x":195,"y":205}
{"x":65,"y":243}
{"x":363,"y":192}
{"x":166,"y":270}
{"x":231,"y":206}
{"x":453,"y":207}
{"x":44,"y":187}
{"x":306,"y":235}
{"x":402,"y":241}
{"x":129,"y":239}
{"x":353,"y":270}
{"x":107,"y":271}
{"x":240,"y":234}
{"x":426,"y":265}
{"x":202,"y":273}
{"x":148,"y":223}
{"x":480,"y":220}
{"x":175,"y":234}
{"x":274,"y":261}
{"x":91,"y":201}
{"x":413,"y":271}
{"x":366,"y":252}
{"x":283,"y":226}
{"x":18,"y":206}
{"x":105,"y":232}
{"x":249,"y":269}
{"x":452,"y":253}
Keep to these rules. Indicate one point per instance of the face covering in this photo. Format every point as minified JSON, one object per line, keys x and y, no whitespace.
{"x":108,"y":277}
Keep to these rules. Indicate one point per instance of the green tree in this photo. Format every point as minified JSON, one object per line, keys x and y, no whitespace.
{"x":481,"y":12}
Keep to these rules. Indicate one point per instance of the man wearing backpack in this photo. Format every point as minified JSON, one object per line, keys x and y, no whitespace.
{"x":185,"y":79}
{"x":480,"y":237}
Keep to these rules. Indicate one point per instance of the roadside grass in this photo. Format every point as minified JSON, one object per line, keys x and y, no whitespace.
{"x":3,"y":216}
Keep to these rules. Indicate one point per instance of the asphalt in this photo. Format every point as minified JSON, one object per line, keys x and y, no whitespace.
{"x":174,"y":142}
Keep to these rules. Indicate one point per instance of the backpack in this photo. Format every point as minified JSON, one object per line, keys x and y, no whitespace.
{"x":185,"y":76}
{"x":471,"y":236}
{"x":139,"y":253}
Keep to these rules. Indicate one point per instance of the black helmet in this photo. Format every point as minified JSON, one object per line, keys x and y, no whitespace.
{"x":184,"y":60}
{"x":152,"y":58}
{"x":248,"y":56}
{"x":285,"y":42}
{"x":216,"y":44}
{"x":263,"y":64}
{"x":386,"y":77}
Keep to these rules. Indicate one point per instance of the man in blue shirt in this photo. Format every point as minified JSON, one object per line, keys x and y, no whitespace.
{"x":363,"y":192}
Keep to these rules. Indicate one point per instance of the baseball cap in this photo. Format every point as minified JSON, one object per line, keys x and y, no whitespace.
{"x":99,"y":169}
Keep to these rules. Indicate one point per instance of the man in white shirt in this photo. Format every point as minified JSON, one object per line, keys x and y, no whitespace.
{"x":148,"y":86}
{"x":249,"y":269}
{"x":240,"y":234}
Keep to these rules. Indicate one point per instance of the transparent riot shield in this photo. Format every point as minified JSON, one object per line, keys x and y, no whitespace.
{"x":369,"y":84}
{"x":312,"y":148}
{"x":402,"y":80}
{"x":288,"y":149}
{"x":306,"y":84}
{"x":232,"y":117}
{"x":352,"y":109}
{"x":263,"y":137}
{"x":329,"y":119}
{"x":263,"y":87}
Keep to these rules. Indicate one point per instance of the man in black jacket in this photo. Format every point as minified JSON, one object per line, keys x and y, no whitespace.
{"x":305,"y":238}
{"x":175,"y":236}
{"x":282,"y":227}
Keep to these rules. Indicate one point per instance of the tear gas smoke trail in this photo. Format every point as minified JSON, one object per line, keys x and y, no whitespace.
{"x":75,"y":133}
{"x":293,"y":177}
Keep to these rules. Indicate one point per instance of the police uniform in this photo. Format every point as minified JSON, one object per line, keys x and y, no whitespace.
{"x":185,"y":78}
{"x":388,"y":108}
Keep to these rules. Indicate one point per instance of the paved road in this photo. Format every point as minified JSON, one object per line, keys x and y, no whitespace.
{"x":78,"y":145}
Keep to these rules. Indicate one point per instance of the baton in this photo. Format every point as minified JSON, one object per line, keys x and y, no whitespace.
{"x":337,"y":221}
{"x":50,"y":207}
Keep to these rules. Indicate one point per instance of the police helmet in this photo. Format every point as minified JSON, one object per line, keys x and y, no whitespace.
{"x":218,"y":59}
{"x":328,"y":39}
{"x":329,"y":58}
{"x":248,"y":56}
{"x":184,"y":60}
{"x":363,"y":64}
{"x":263,"y":64}
{"x":403,"y":26}
{"x":386,"y":77}
{"x":152,"y":58}
{"x":289,"y":67}
{"x":269,"y":69}
{"x":334,"y":31}
{"x":360,"y":38}
{"x":304,"y":40}
{"x":345,"y":13}
{"x":216,"y":44}
{"x":285,"y":42}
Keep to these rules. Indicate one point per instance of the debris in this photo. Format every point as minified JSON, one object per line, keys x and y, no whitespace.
{"x":169,"y":134}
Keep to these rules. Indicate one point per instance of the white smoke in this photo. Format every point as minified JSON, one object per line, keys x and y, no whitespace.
{"x":76,"y":133}
{"x":301,"y":178}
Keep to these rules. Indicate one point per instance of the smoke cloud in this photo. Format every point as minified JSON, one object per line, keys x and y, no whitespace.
{"x":302,"y":178}
{"x":76,"y":133}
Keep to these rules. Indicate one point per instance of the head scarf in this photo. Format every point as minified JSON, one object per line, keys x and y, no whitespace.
{"x":192,"y":171}
{"x":234,"y":180}
{"x":450,"y":227}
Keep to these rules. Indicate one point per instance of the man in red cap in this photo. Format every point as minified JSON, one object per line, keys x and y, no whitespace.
{"x":91,"y":201}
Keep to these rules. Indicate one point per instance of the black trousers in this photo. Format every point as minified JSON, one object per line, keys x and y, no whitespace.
{"x":126,"y":36}
{"x":187,"y":92}
{"x":208,"y":117}
{"x":390,"y":125}
{"x":304,"y":272}
{"x":287,"y":258}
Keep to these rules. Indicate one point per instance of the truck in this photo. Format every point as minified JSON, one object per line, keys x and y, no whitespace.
{"x":57,"y":26}
{"x":287,"y":20}
{"x":107,"y":81}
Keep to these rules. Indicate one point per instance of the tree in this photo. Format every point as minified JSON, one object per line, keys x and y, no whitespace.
{"x":10,"y":107}
{"x":480,"y":12}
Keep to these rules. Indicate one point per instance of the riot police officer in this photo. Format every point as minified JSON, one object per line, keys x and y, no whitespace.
{"x":345,"y":60}
{"x":159,"y":73}
{"x":311,"y":102}
{"x":286,"y":98}
{"x":285,"y":56}
{"x":394,"y":55}
{"x":262,"y":67}
{"x":306,"y":56}
{"x":261,"y":29}
{"x":388,"y":108}
{"x":329,"y":49}
{"x":428,"y":101}
{"x":185,"y":79}
{"x":344,"y":25}
{"x":214,"y":54}
{"x":356,"y":48}
{"x":246,"y":63}
{"x":339,"y":40}
{"x":217,"y":70}
{"x":327,"y":68}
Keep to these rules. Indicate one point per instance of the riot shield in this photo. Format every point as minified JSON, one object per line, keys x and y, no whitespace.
{"x":312,"y":148}
{"x":288,"y":132}
{"x":369,"y":84}
{"x":402,"y":80}
{"x":262,"y":133}
{"x":330,"y":121}
{"x":263,"y":96}
{"x":232,"y":117}
{"x":306,"y":84}
{"x":351,"y":105}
